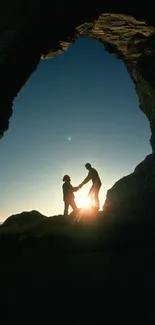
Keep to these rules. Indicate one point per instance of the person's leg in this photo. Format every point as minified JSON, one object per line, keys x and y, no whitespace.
{"x":66,"y":206}
{"x":73,"y":205}
{"x":96,"y":198}
{"x":91,"y":196}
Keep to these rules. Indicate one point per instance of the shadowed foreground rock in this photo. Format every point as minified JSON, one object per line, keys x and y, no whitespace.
{"x":79,"y":270}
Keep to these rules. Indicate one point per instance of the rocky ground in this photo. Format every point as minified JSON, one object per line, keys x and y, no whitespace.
{"x":59,"y":270}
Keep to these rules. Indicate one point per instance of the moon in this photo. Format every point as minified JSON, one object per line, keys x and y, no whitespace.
{"x":69,"y":139}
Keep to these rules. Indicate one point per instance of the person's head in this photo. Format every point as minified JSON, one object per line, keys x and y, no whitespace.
{"x":66,"y":178}
{"x":88,"y":166}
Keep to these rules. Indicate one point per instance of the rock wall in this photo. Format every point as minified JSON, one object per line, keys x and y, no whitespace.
{"x":131,"y":199}
{"x":30,"y":30}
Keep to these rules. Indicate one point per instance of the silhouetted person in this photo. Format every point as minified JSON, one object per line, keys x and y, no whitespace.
{"x":68,"y":194}
{"x":94,"y":191}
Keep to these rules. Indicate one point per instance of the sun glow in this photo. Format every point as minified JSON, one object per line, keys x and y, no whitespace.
{"x":83,"y":201}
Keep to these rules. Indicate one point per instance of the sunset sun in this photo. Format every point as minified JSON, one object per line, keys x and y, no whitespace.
{"x":83,"y":201}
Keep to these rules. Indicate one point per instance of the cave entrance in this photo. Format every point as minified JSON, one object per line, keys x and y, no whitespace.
{"x":79,"y":106}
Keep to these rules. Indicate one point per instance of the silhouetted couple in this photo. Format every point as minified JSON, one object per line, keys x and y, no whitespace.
{"x":68,"y":190}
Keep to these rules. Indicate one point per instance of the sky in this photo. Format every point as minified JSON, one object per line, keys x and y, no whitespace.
{"x":78,"y":107}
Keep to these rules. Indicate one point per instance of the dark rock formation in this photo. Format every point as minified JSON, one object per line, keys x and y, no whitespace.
{"x":131,"y":199}
{"x":34,"y":224}
{"x":63,"y":270}
{"x":33,"y":29}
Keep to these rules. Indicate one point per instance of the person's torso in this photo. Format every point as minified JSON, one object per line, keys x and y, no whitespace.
{"x":68,"y":191}
{"x":95,"y":177}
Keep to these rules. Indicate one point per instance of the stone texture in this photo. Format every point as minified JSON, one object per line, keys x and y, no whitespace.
{"x":131,"y":199}
{"x":30,"y":30}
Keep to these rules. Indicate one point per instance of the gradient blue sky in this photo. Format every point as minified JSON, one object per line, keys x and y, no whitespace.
{"x":86,"y":94}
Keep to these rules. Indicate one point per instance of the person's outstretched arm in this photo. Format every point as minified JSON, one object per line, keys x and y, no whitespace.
{"x":75,"y":189}
{"x":86,"y":180}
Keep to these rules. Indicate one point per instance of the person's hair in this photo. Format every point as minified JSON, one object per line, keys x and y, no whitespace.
{"x":66,"y":178}
{"x":88,"y":165}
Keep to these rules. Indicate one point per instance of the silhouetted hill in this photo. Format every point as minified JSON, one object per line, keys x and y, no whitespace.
{"x":77,"y":270}
{"x":24,"y":218}
{"x":32,"y":225}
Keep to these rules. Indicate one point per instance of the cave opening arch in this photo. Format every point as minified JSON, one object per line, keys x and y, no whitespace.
{"x":127,"y":34}
{"x":79,"y":89}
